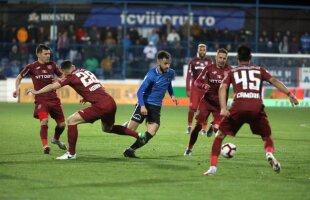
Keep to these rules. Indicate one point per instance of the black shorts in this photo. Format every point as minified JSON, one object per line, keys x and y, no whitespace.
{"x":153,"y":114}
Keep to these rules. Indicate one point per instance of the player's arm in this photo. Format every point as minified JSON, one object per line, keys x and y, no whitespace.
{"x":188,"y":80}
{"x":140,"y":94}
{"x":223,"y":99}
{"x":280,"y":86}
{"x":48,"y":88}
{"x":200,"y":82}
{"x":17,"y":85}
{"x":171,"y":93}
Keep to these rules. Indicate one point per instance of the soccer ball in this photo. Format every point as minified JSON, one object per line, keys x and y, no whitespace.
{"x":228,"y":150}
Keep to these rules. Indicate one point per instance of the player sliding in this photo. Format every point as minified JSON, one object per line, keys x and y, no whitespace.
{"x":247,"y":107}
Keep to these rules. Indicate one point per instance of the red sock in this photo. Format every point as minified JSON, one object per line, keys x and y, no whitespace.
{"x":58,"y":132}
{"x":43,"y":134}
{"x":216,"y":150}
{"x":268,"y":144}
{"x":121,"y":130}
{"x":190,"y":117}
{"x":72,"y":138}
{"x":204,"y":125}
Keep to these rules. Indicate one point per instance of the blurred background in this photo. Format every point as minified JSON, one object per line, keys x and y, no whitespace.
{"x":119,"y":39}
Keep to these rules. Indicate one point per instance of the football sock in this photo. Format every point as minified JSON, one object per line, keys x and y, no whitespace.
{"x":204,"y":126}
{"x":194,"y":136}
{"x":43,"y":134}
{"x":137,"y":144}
{"x":58,"y":132}
{"x":216,"y":150}
{"x":121,"y":130}
{"x":72,"y":138}
{"x":268,"y":144}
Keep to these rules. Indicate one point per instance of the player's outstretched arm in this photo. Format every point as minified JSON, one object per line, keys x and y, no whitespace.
{"x":45,"y":89}
{"x":280,"y":86}
{"x":17,"y":84}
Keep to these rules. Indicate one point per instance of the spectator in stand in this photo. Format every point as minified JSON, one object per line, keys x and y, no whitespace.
{"x":63,"y":45}
{"x":294,"y":46}
{"x":166,"y":28}
{"x":150,"y":52}
{"x":154,"y":36}
{"x":305,"y":43}
{"x":283,"y":45}
{"x":173,"y":37}
{"x":197,"y":32}
{"x":91,"y":64}
{"x":42,"y":36}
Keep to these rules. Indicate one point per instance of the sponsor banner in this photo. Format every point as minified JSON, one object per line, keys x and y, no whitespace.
{"x":123,"y":94}
{"x":285,"y":74}
{"x":304,"y":77}
{"x":284,"y":103}
{"x":156,"y":17}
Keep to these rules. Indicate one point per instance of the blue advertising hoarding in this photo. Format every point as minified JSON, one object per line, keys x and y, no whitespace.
{"x":156,"y":17}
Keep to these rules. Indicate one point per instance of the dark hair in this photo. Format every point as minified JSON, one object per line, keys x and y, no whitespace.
{"x":222,"y":50}
{"x":244,"y":53}
{"x":66,"y":64}
{"x":42,"y":47}
{"x":163,"y":54}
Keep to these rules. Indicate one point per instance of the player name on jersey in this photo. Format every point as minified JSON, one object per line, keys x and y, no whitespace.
{"x":248,"y":95}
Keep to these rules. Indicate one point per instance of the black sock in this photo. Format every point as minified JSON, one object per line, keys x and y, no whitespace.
{"x":137,"y":144}
{"x":148,"y":136}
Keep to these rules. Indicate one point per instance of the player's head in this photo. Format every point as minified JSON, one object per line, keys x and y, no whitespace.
{"x":201,"y":50}
{"x":221,"y":57}
{"x":67,"y":67}
{"x":43,"y":53}
{"x":244,"y":54}
{"x":163,"y":61}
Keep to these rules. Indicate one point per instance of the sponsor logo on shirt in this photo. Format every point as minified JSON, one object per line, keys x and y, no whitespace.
{"x":43,"y":76}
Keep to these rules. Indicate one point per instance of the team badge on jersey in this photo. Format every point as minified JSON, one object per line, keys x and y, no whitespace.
{"x":214,"y":72}
{"x":37,"y":68}
{"x":49,"y":66}
{"x":44,"y":71}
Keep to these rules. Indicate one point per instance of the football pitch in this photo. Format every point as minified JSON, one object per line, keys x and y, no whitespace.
{"x":162,"y":172}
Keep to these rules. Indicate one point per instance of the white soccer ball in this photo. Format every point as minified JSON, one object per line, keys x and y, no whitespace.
{"x":228,"y":150}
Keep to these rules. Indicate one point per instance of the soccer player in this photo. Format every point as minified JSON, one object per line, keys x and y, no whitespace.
{"x":103,"y":106}
{"x":150,"y":95}
{"x":209,"y":80}
{"x":42,"y":73}
{"x":247,"y":107}
{"x":195,"y":67}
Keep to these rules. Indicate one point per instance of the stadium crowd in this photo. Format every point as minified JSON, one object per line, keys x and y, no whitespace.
{"x":104,"y":50}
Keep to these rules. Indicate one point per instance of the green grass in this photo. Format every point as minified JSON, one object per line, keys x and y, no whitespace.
{"x":101,"y":171}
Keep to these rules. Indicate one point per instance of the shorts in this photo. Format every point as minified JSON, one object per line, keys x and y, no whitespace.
{"x":257,"y":120}
{"x":153,"y":114}
{"x":49,"y":106}
{"x":104,"y":110}
{"x":204,"y":111}
{"x":195,"y":98}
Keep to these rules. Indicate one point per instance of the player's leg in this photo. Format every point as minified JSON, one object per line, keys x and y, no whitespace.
{"x":214,"y":125}
{"x":215,"y":152}
{"x":228,"y":126}
{"x":41,"y":113}
{"x":153,"y":123}
{"x":72,"y":122}
{"x":56,"y":113}
{"x":260,"y":126}
{"x":201,"y":117}
{"x":195,"y":98}
{"x":135,"y":119}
